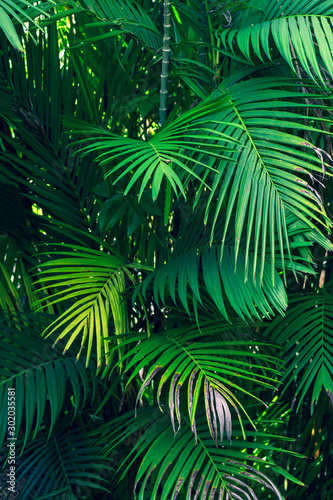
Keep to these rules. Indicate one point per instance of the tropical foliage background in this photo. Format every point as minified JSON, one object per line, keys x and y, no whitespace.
{"x":165,"y":262}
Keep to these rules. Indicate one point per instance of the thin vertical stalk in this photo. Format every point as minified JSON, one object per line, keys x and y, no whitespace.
{"x":210,"y":26}
{"x":165,"y":60}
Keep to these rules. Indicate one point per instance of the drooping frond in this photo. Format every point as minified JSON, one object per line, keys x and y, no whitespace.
{"x":210,"y":370}
{"x":59,"y":465}
{"x":267,"y":10}
{"x":195,"y":267}
{"x":306,"y":335}
{"x":303,"y":42}
{"x":200,"y":470}
{"x":202,"y":266}
{"x":37,"y":376}
{"x":244,"y":145}
{"x":271,"y":173}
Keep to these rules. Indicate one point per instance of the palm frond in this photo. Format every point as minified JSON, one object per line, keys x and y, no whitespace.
{"x":15,"y":249}
{"x":303,"y":42}
{"x":39,"y":379}
{"x":248,"y":297}
{"x":9,"y":295}
{"x":195,"y":268}
{"x":306,"y":335}
{"x":257,"y":173}
{"x":164,"y":155}
{"x":200,"y":470}
{"x":268,"y":177}
{"x":268,"y":10}
{"x":23,"y":12}
{"x":131,"y":18}
{"x":215,"y":217}
{"x":59,"y":465}
{"x":211,"y":370}
{"x":95,"y":282}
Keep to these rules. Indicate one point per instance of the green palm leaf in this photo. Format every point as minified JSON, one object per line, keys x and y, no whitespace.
{"x":306,"y":334}
{"x":200,"y":470}
{"x":213,"y":216}
{"x":195,"y":269}
{"x":269,"y":176}
{"x":23,"y":12}
{"x":164,"y":155}
{"x":95,"y":282}
{"x":268,"y":10}
{"x":59,"y":465}
{"x":38,"y":376}
{"x":9,"y":296}
{"x":246,"y":150}
{"x":132,"y":18}
{"x":15,"y":284}
{"x":307,"y":38}
{"x":247,"y":297}
{"x":9,"y":29}
{"x":44,"y":177}
{"x":212,"y":370}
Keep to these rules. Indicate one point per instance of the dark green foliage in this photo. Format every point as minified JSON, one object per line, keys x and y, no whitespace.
{"x":165,"y":283}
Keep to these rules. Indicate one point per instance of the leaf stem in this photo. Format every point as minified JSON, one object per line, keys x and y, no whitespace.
{"x":165,"y":60}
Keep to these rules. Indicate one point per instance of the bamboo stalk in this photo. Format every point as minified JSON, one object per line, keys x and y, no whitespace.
{"x":165,"y":60}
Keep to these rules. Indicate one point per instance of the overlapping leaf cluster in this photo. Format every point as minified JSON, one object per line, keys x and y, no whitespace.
{"x":159,"y":284}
